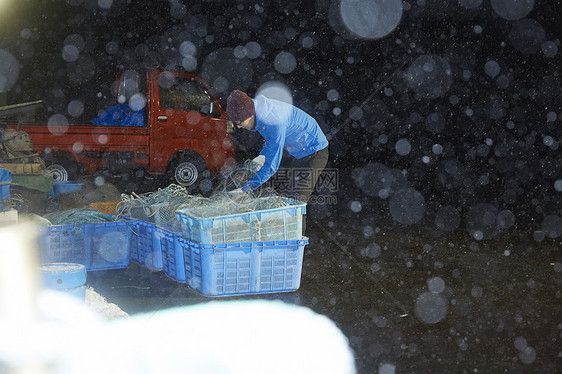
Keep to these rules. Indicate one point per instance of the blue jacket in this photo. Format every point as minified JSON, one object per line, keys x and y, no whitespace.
{"x":283,"y":125}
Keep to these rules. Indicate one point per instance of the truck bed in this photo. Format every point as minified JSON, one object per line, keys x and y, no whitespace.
{"x":88,"y":136}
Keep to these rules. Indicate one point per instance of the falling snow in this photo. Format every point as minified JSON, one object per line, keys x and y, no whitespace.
{"x":442,"y":245}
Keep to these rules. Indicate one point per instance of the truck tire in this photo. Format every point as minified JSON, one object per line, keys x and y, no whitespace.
{"x":187,"y":169}
{"x":63,"y":170}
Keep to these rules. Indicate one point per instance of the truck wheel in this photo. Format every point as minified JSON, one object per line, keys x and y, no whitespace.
{"x":187,"y":171}
{"x":63,"y":170}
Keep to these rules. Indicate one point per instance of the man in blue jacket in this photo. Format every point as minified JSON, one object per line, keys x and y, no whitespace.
{"x":282,"y":125}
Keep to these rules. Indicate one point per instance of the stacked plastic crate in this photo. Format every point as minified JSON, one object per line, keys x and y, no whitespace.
{"x":153,"y":243}
{"x":246,"y":253}
{"x":5,"y":181}
{"x":8,"y":215}
{"x":253,"y":252}
{"x":145,"y":246}
{"x":97,"y":246}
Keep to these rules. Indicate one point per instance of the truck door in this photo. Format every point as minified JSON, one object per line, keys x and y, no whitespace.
{"x":186,"y":118}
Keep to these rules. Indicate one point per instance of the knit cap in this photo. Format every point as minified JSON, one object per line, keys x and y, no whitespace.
{"x":239,"y":106}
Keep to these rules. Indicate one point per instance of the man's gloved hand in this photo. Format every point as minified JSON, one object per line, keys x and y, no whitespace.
{"x":236,"y":194}
{"x":259,"y":161}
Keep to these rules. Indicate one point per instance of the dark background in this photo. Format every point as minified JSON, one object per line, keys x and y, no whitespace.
{"x":503,"y":156}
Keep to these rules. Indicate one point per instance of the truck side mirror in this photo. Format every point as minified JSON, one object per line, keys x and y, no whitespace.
{"x":211,"y":109}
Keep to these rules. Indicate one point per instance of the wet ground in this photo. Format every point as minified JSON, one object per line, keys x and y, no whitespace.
{"x":408,"y":301}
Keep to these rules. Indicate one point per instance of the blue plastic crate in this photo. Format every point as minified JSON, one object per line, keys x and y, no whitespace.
{"x":64,"y":187}
{"x":4,"y":190}
{"x":231,"y":269}
{"x":145,"y":246}
{"x":64,"y":243}
{"x":5,"y":181}
{"x":4,"y":197}
{"x":5,"y":175}
{"x":110,"y":244}
{"x":172,"y":254}
{"x":283,"y":223}
{"x":97,"y":246}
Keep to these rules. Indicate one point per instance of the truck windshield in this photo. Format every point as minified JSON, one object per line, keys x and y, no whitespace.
{"x":187,"y":94}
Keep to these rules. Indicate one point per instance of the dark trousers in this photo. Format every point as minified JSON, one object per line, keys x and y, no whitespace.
{"x":300,"y":177}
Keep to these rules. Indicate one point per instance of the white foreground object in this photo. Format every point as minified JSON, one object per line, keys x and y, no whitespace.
{"x":98,"y":304}
{"x":9,"y":217}
{"x":49,"y":331}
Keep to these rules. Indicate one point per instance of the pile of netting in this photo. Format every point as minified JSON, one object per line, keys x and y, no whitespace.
{"x":222,"y":205}
{"x":76,"y":216}
{"x":160,"y":206}
{"x":238,"y":177}
{"x":157,"y":207}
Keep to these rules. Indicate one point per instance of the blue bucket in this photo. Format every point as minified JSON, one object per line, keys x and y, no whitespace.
{"x":62,"y":187}
{"x":69,"y":278}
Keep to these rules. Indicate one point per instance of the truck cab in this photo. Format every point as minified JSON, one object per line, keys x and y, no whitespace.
{"x":189,"y":129}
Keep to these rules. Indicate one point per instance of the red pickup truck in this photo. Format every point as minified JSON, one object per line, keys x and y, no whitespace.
{"x":167,"y":123}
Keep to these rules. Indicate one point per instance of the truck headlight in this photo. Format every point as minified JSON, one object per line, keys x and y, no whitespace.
{"x":229,"y":127}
